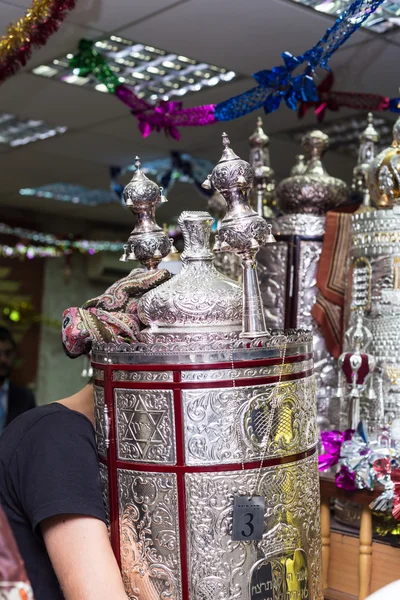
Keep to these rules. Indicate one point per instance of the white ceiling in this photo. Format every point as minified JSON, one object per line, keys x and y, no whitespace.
{"x":240,"y":36}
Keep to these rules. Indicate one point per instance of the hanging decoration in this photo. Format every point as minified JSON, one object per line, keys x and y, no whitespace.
{"x":327,"y":99}
{"x":40,"y":21}
{"x":77,"y":194}
{"x":47,"y":245}
{"x":275,"y":86}
{"x":179,"y":167}
{"x":364,"y":464}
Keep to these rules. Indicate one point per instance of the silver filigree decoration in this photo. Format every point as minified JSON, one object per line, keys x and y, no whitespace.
{"x":149,"y":530}
{"x":211,"y":419}
{"x":145,"y":420}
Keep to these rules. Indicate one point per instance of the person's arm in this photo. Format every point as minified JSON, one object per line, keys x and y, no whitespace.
{"x":82,"y":558}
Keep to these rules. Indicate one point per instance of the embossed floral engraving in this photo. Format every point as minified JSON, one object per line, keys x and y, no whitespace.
{"x":246,"y":373}
{"x":214,"y":418}
{"x":150,"y":553}
{"x":99,"y":420}
{"x":98,"y":374}
{"x":139,"y":376}
{"x":217,"y":565}
{"x":310,"y":251}
{"x":145,"y":430}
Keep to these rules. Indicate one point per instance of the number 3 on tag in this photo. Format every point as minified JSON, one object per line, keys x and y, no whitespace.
{"x":248,"y":518}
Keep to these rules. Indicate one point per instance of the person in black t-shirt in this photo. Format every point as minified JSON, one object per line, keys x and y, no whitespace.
{"x":49,"y":474}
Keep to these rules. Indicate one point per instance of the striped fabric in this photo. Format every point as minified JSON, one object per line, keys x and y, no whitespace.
{"x":332,"y":280}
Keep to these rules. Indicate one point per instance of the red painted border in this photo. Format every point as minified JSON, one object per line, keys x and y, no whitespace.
{"x":198,"y":385}
{"x":202,"y":367}
{"x":182,"y":469}
{"x":112,"y":469}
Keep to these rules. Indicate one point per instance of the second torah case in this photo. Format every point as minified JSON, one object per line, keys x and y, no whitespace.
{"x":207,"y":408}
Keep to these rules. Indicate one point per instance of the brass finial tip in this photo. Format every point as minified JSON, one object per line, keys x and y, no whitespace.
{"x":225,"y":140}
{"x":259,"y":122}
{"x":138,"y":164}
{"x":370,"y":118}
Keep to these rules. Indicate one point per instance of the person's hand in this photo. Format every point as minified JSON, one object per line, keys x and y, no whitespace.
{"x":111,"y":317}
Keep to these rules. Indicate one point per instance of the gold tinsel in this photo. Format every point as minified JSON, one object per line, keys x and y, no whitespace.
{"x":18,"y":34}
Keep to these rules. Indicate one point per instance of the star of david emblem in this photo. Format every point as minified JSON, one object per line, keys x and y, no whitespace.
{"x":142,"y":427}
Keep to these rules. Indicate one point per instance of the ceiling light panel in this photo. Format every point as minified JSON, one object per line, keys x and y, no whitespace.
{"x":344,"y":134}
{"x":153,"y":73}
{"x":385,"y":18}
{"x":16,"y":132}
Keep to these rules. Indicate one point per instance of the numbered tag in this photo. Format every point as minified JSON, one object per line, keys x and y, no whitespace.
{"x":248,"y":518}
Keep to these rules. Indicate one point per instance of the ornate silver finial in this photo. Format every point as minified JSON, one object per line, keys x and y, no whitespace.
{"x":262,"y":195}
{"x":366,"y":154}
{"x":356,"y":365}
{"x":313,"y":191}
{"x":148,"y":243}
{"x":242,"y":231}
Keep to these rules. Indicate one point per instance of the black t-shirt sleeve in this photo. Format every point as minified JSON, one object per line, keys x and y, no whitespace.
{"x":55,"y":469}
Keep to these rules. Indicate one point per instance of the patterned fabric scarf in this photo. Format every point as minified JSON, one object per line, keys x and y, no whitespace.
{"x":111,"y":317}
{"x":14,"y":584}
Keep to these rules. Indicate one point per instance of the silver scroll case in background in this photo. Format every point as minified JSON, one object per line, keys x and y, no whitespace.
{"x":288,"y":269}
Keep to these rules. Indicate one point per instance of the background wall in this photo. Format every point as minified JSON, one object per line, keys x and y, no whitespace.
{"x":59,"y":376}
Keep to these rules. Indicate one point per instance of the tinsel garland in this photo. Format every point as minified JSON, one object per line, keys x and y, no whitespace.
{"x":41,"y":20}
{"x":47,"y":245}
{"x":281,"y":84}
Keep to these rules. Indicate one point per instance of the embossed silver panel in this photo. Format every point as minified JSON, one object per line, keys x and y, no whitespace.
{"x":145,"y":425}
{"x":249,"y":372}
{"x":271,"y":269}
{"x":99,"y":422}
{"x":219,"y":567}
{"x":98,"y":374}
{"x":140,"y":376}
{"x":310,"y":252}
{"x":299,"y":224}
{"x":149,"y":529}
{"x":214,"y":419}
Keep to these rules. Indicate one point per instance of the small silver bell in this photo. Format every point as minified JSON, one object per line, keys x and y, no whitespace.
{"x":217,"y":245}
{"x":132,"y":255}
{"x":129,"y":201}
{"x":225,"y":247}
{"x":172,"y":249}
{"x":254,"y":245}
{"x":207,"y":183}
{"x":157,"y":254}
{"x":163,"y":198}
{"x":124,"y":257}
{"x":241,"y":180}
{"x":270,"y":238}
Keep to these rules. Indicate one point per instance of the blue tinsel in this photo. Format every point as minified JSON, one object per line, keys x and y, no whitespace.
{"x":279,"y":84}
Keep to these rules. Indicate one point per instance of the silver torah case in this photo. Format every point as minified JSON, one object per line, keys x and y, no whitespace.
{"x":288,"y":269}
{"x":181,"y":418}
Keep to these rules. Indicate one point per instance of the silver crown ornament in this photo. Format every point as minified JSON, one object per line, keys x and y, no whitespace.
{"x":312,"y":191}
{"x":262,"y":194}
{"x":242,"y":231}
{"x":148,"y":243}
